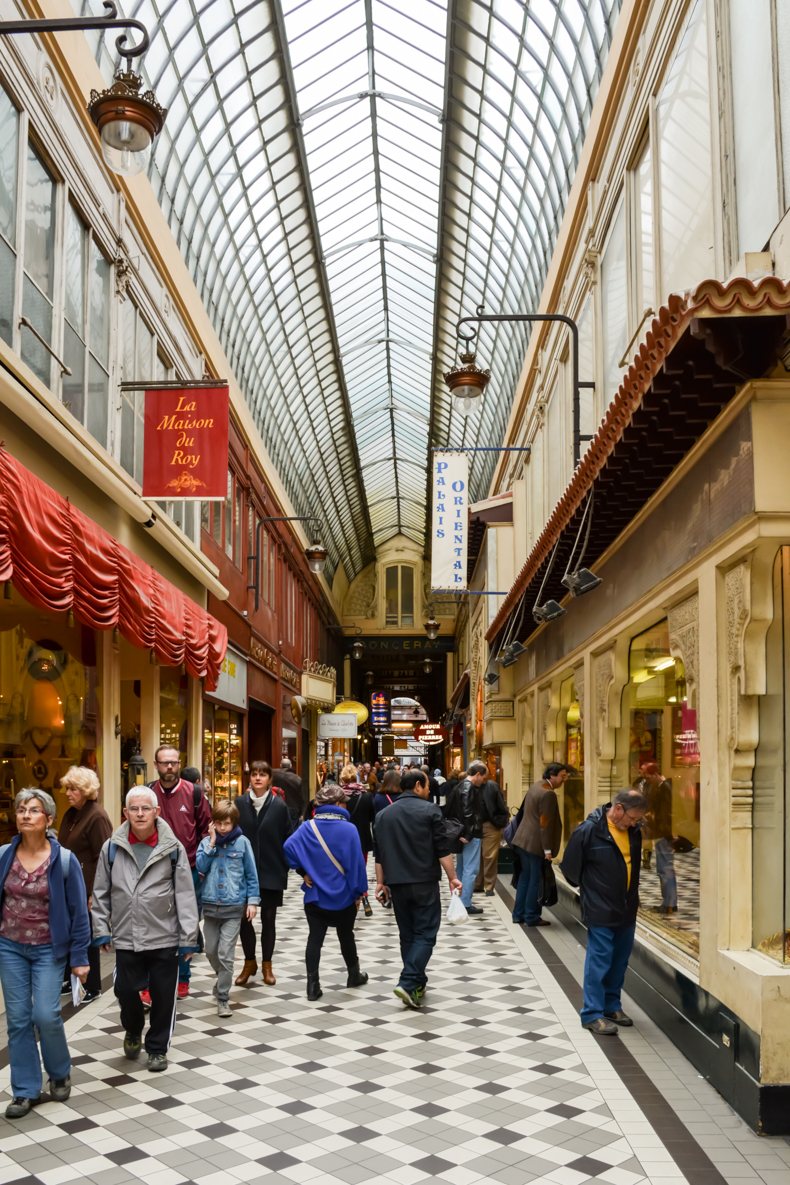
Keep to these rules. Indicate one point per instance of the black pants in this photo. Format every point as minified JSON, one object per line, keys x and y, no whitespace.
{"x":93,"y":982}
{"x":319,"y":921}
{"x":156,"y":970}
{"x":268,"y":916}
{"x":418,"y":912}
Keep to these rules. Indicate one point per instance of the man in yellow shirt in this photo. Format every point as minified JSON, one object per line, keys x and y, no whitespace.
{"x":603,"y":858}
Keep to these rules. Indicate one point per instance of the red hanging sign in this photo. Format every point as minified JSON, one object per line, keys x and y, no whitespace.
{"x":186,"y":443}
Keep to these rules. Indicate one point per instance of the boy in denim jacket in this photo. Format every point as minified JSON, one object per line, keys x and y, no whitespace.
{"x":229,"y":891}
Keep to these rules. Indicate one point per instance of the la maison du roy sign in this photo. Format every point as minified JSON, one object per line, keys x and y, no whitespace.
{"x":185,"y":451}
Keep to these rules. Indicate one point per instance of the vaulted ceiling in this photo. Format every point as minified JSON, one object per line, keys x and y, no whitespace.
{"x":345,"y":179}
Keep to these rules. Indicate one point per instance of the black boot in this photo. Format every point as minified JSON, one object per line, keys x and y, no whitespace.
{"x":356,"y":978}
{"x":313,"y":988}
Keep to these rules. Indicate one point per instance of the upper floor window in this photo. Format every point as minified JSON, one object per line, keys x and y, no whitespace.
{"x":399,"y":595}
{"x":86,"y":328}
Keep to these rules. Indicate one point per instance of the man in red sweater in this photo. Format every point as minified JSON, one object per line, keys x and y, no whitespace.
{"x":188,"y":813}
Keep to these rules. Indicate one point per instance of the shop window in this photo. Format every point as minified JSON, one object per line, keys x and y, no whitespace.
{"x":572,"y":754}
{"x":222,"y":739}
{"x":771,"y":818}
{"x":399,"y":595}
{"x":658,"y":751}
{"x":49,"y":704}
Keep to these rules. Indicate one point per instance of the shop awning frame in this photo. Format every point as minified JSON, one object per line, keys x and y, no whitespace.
{"x":61,"y":561}
{"x":701,"y":349}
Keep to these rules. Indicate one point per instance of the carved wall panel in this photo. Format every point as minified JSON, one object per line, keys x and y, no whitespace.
{"x":578,"y":682}
{"x":361,"y":597}
{"x":526,"y":735}
{"x":684,"y":641}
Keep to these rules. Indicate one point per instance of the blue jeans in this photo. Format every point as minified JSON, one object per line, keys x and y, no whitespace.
{"x":665,"y":868}
{"x":185,"y":965}
{"x":467,"y":864}
{"x":608,"y":951}
{"x":31,"y":978}
{"x":418,"y":912}
{"x":529,"y":888}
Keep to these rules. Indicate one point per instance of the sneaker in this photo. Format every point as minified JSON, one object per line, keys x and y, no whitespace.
{"x":419,"y":993}
{"x":59,"y":1089}
{"x":132,"y":1044}
{"x":489,"y":892}
{"x":224,"y":1009}
{"x":410,"y":999}
{"x":183,"y":990}
{"x":619,"y":1018}
{"x":145,"y":998}
{"x":89,"y":997}
{"x":474,"y":909}
{"x":157,"y":1062}
{"x":540,"y":922}
{"x":602,"y":1028}
{"x":18,"y":1108}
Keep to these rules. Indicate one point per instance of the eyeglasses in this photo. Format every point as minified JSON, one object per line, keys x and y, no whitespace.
{"x":174,"y":764}
{"x":29,"y":810}
{"x":140,"y":810}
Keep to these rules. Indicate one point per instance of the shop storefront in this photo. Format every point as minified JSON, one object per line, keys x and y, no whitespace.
{"x":224,"y":721}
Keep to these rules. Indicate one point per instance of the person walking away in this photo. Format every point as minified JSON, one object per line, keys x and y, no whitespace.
{"x":144,"y":906}
{"x":43,"y":922}
{"x":327,"y":854}
{"x":186,"y":810}
{"x":388,"y":791}
{"x":495,"y":818}
{"x":229,"y":883}
{"x":537,"y":840}
{"x":83,"y":830}
{"x":359,"y":804}
{"x":602,"y":858}
{"x":464,"y":804}
{"x":264,"y":819}
{"x":412,"y":850}
{"x":287,"y":780}
{"x":658,"y":828}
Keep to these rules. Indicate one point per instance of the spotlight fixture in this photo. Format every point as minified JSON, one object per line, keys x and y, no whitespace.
{"x":432,"y":627}
{"x":512,"y":653}
{"x":548,"y":611}
{"x":580,"y":582}
{"x":491,"y":677}
{"x":358,"y":649}
{"x":467,"y":382}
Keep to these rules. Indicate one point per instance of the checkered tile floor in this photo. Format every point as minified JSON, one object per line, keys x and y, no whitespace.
{"x":487,"y":1083}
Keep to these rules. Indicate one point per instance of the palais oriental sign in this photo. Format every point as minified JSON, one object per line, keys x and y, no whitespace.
{"x":186,"y":442}
{"x":430,"y":734}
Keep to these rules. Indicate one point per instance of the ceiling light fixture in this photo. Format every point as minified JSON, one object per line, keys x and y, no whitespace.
{"x":127,"y":118}
{"x":467,"y":382}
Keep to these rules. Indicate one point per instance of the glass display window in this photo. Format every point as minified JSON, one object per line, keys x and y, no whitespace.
{"x":49,"y":704}
{"x":173,"y":716}
{"x":223,"y":731}
{"x":658,"y":753}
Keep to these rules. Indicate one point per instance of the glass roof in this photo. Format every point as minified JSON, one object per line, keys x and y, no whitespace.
{"x":345,"y":179}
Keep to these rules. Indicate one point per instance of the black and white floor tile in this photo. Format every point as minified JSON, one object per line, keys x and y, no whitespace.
{"x":494,"y":1080}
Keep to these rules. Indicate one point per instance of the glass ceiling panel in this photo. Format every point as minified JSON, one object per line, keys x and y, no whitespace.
{"x":345,"y":179}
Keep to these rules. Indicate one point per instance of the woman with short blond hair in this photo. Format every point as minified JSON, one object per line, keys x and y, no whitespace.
{"x":83,"y":830}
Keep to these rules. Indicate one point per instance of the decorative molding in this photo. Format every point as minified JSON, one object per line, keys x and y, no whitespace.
{"x":264,"y":657}
{"x":684,"y":641}
{"x":290,"y":675}
{"x":318,"y":668}
{"x":603,"y":681}
{"x":123,"y":272}
{"x":361,"y":597}
{"x":546,"y":749}
{"x":742,"y":714}
{"x":525,"y":729}
{"x":48,"y":84}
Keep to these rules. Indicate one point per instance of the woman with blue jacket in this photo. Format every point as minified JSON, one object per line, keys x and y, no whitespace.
{"x":229,"y":891}
{"x":327,"y":853}
{"x":43,"y":923}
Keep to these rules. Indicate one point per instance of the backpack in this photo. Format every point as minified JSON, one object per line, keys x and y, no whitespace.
{"x":65,"y":859}
{"x":112,"y":852}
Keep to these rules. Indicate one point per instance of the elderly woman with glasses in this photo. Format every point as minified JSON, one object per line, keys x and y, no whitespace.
{"x":83,"y":830}
{"x":43,"y":922}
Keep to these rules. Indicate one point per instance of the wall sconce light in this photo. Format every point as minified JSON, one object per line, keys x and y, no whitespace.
{"x":357,"y":649}
{"x":369,"y":677}
{"x":427,"y":667}
{"x":136,"y":771}
{"x":432,"y":627}
{"x":128,"y":120}
{"x":467,"y":382}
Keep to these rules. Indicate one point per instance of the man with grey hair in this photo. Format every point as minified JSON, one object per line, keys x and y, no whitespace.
{"x":603,"y":858}
{"x":144,"y":905}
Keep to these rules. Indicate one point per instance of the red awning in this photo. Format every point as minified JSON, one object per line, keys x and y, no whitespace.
{"x":60,"y":560}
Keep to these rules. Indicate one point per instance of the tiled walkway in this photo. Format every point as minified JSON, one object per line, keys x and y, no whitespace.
{"x":494,"y":1080}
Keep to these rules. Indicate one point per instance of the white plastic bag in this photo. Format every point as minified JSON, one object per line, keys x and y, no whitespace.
{"x":456,"y":910}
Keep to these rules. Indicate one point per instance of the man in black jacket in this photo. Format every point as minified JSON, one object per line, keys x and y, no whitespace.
{"x":495,"y":818}
{"x":411,"y":849}
{"x":603,"y":859}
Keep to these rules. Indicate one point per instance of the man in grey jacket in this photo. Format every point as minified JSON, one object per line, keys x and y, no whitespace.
{"x":144,"y":905}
